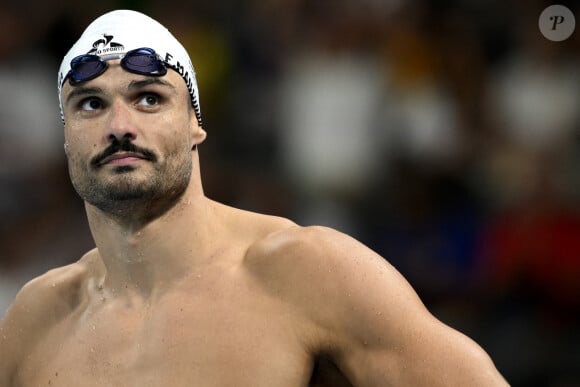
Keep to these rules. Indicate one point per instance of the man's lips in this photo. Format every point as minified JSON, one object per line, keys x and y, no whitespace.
{"x":122,"y":158}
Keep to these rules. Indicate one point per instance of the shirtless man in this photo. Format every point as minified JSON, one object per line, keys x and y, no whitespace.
{"x":183,"y":291}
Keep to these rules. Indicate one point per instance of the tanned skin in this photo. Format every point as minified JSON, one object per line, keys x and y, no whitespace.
{"x":184,"y":291}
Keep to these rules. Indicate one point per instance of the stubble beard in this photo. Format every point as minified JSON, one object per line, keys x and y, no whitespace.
{"x":128,"y":193}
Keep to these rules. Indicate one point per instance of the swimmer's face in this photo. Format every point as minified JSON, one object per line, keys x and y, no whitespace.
{"x":129,"y":136}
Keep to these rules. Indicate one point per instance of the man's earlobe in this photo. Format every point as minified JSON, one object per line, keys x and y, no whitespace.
{"x":199,"y":136}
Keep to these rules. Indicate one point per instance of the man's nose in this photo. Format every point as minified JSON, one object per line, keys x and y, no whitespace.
{"x":121,"y":123}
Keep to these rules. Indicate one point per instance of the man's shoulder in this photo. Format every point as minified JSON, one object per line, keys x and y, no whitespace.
{"x":305,"y":245}
{"x":293,"y":240}
{"x":307,"y":260}
{"x":51,"y":294}
{"x":39,"y":306}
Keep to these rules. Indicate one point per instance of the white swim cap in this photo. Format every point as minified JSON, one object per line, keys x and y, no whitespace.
{"x":120,"y":31}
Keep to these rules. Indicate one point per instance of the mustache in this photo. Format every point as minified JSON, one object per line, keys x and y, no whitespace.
{"x":122,"y":146}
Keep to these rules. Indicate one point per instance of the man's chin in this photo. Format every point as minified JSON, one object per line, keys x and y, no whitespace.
{"x":123,"y":169}
{"x":126,"y":195}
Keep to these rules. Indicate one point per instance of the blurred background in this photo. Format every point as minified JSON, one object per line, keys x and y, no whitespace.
{"x":445,"y":135}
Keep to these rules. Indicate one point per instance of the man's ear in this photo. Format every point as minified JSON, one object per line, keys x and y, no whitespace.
{"x":198,"y":134}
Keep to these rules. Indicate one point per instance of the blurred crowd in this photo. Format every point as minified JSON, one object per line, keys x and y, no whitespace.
{"x":445,"y":135}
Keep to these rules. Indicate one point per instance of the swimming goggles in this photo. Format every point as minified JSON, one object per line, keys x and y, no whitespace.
{"x":144,"y":61}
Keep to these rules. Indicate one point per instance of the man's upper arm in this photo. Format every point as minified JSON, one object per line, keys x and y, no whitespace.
{"x":8,"y":349}
{"x":36,"y":308}
{"x":373,"y":324}
{"x":15,"y":333}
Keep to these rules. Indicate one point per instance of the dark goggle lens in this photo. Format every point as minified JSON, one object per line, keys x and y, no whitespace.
{"x":142,"y":61}
{"x":86,"y":67}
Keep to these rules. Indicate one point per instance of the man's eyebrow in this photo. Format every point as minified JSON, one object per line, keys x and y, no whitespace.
{"x":81,"y":91}
{"x":138,"y":84}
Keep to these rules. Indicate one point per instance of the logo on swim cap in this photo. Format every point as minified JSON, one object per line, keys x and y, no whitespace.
{"x":105,"y":46}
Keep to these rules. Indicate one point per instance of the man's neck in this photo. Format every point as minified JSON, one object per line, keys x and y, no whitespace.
{"x":149,"y":257}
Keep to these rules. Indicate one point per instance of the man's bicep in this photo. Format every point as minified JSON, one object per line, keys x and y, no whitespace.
{"x":385,"y":335}
{"x":424,"y":355}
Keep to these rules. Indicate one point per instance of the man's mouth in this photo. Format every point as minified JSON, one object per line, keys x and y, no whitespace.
{"x":122,"y":158}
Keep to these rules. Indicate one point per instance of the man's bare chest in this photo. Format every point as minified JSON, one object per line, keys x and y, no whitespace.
{"x":207,"y":339}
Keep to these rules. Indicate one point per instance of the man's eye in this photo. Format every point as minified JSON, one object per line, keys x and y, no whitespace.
{"x":91,"y":104}
{"x":148,"y":99}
